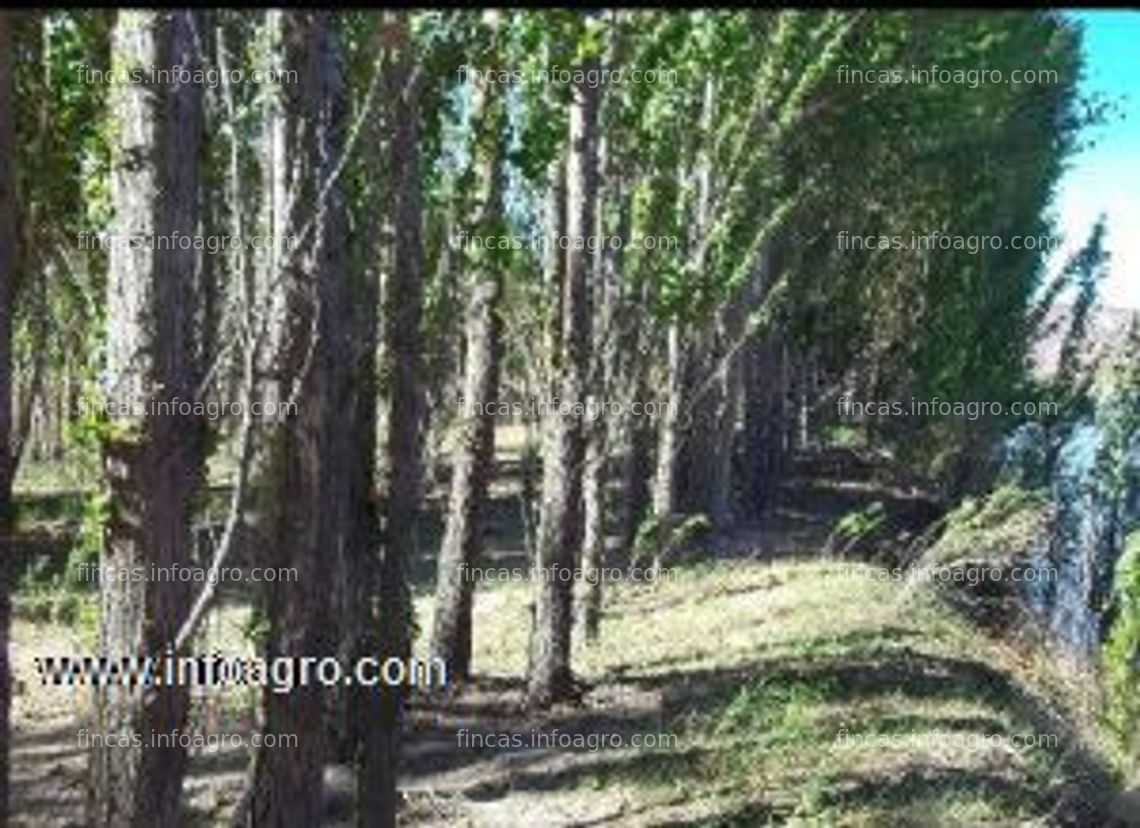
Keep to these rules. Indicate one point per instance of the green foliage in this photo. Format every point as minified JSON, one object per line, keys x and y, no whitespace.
{"x":919,"y":158}
{"x":58,"y":605}
{"x":89,"y":547}
{"x":1074,"y":379}
{"x":860,"y":523}
{"x":47,"y":593}
{"x":1119,"y":415}
{"x":843,"y":436}
{"x":1120,"y":658}
{"x":657,"y":538}
{"x":258,"y":627}
{"x":793,"y":155}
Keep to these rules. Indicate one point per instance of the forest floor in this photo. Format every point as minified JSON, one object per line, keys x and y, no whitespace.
{"x":759,"y":683}
{"x":798,"y":693}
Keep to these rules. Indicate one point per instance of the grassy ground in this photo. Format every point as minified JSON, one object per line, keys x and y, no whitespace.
{"x":772,"y":687}
{"x":791,"y":693}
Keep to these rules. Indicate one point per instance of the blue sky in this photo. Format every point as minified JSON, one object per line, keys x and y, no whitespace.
{"x":1106,"y":178}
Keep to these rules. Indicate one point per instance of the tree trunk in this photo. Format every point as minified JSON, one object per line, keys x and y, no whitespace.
{"x":8,"y":259}
{"x":153,"y":461}
{"x":560,"y":530}
{"x":667,"y":483}
{"x":403,"y":308}
{"x":359,"y":575}
{"x":702,"y":384}
{"x":761,"y":391}
{"x":599,"y":435}
{"x":307,"y":474}
{"x":474,"y":452}
{"x":764,"y":421}
{"x":722,"y":404}
{"x":540,"y":429}
{"x":553,"y":278}
{"x":637,"y":465}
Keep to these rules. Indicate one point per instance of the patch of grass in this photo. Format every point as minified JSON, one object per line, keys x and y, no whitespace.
{"x":1121,"y":659}
{"x":844,"y":436}
{"x":857,"y":526}
{"x":762,"y":665}
{"x":1003,"y":523}
{"x":49,"y":476}
{"x":660,"y":539}
{"x":67,"y":607}
{"x":770,"y":716}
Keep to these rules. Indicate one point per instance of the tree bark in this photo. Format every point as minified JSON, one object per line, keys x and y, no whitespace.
{"x":560,"y":531}
{"x":402,"y":482}
{"x":667,"y":482}
{"x":474,"y":453}
{"x":153,"y":460}
{"x":306,"y":476}
{"x":762,"y":395}
{"x":709,"y":450}
{"x":360,"y":574}
{"x":637,"y":464}
{"x":599,"y":434}
{"x":8,"y":260}
{"x":697,"y":382}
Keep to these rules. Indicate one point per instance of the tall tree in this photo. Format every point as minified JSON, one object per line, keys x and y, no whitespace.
{"x":8,"y":259}
{"x":152,"y":459}
{"x":307,"y":471}
{"x":401,"y":482}
{"x":560,"y":524}
{"x":473,"y":457}
{"x":604,"y":294}
{"x":362,"y":545}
